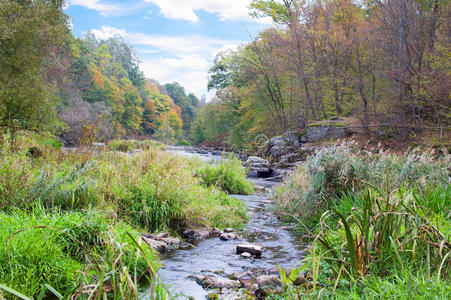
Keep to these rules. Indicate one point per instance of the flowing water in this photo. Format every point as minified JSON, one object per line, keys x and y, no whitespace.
{"x":217,"y":257}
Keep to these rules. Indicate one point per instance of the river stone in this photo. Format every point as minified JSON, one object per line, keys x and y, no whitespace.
{"x":247,"y":281}
{"x":268,"y":284}
{"x":216,"y":232}
{"x":228,"y":230}
{"x":196,"y":234}
{"x":258,"y":165}
{"x":253,"y":249}
{"x":160,"y":246}
{"x":246,"y":255}
{"x":212,"y":282}
{"x":171,"y":241}
{"x":228,"y":236}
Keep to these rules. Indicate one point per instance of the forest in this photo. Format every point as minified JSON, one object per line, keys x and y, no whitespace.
{"x":54,"y":82}
{"x":379,"y":62}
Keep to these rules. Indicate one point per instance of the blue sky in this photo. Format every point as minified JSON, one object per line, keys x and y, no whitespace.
{"x":176,"y":40}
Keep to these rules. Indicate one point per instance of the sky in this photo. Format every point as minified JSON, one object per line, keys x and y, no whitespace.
{"x":176,"y":40}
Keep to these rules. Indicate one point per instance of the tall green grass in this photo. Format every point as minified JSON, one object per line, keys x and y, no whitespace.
{"x":228,"y":175}
{"x":317,"y":184}
{"x":380,"y":225}
{"x":67,"y":251}
{"x":152,"y":189}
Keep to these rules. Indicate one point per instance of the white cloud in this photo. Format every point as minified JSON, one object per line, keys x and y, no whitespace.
{"x":109,"y":9}
{"x":185,"y":9}
{"x":184,"y":59}
{"x":108,"y":32}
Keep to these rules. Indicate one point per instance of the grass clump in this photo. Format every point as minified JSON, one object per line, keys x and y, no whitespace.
{"x":379,"y":223}
{"x":228,"y":175}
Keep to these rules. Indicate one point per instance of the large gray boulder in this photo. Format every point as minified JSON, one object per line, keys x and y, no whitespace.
{"x":259,"y":166}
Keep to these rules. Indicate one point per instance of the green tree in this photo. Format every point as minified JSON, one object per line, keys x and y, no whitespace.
{"x":31,"y":31}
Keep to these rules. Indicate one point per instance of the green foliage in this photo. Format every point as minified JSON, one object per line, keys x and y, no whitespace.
{"x":30,"y":33}
{"x":212,"y":124}
{"x":71,"y":222}
{"x":228,"y":175}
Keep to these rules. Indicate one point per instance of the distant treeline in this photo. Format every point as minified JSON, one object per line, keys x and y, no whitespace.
{"x":52,"y":81}
{"x":382,"y":61}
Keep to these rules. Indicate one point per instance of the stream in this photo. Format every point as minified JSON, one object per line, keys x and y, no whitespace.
{"x":216,"y":257}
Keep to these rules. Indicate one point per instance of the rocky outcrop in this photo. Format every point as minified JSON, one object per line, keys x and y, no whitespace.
{"x":286,"y":150}
{"x":324,"y":130}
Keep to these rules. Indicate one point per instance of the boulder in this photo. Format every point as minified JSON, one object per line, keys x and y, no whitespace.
{"x":212,"y":282}
{"x":261,"y":167}
{"x":160,"y":246}
{"x":282,"y":145}
{"x":254,"y":249}
{"x":247,"y":280}
{"x":215,"y":232}
{"x":228,"y":230}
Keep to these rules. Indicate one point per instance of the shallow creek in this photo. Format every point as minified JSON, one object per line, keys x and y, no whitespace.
{"x":216,"y":257}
